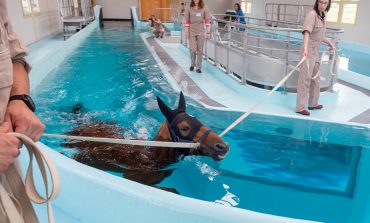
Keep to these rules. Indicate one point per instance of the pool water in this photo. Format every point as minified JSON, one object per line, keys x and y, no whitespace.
{"x":276,"y":165}
{"x":357,"y":61}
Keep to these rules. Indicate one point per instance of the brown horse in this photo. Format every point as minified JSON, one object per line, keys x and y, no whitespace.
{"x":145,"y":165}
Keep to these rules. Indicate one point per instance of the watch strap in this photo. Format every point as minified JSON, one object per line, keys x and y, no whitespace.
{"x":26,"y":99}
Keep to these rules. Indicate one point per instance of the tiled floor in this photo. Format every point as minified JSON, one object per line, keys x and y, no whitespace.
{"x":40,"y":49}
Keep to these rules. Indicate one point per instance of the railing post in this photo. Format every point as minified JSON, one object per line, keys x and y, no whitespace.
{"x":286,"y":62}
{"x":333,"y":57}
{"x":258,"y":42}
{"x":245,"y":48}
{"x":285,"y":13}
{"x":228,"y":47}
{"x":206,"y":41}
{"x":215,"y":51}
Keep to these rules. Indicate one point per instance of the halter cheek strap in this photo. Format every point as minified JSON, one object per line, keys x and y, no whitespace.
{"x":176,"y":138}
{"x":203,"y":136}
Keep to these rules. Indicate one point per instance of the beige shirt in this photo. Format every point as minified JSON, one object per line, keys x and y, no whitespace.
{"x":11,"y":48}
{"x":197,"y":19}
{"x":315,"y":25}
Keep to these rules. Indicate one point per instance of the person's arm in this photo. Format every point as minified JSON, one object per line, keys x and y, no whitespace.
{"x":17,"y":113}
{"x":327,"y":41}
{"x":22,"y":118}
{"x":308,"y":26}
{"x":207,"y":21}
{"x":187,"y":23}
{"x":239,"y":13}
{"x":306,"y":36}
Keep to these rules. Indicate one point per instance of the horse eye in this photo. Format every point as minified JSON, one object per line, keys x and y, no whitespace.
{"x":186,"y":128}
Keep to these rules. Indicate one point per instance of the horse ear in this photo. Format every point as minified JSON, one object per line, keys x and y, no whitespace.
{"x":182,"y":103}
{"x":166,"y":111}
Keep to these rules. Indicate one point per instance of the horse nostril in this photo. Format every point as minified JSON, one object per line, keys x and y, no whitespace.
{"x":221,"y":147}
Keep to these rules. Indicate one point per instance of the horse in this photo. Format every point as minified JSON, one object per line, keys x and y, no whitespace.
{"x":147,"y":165}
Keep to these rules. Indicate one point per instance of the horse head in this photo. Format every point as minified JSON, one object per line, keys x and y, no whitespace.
{"x":183,"y":127}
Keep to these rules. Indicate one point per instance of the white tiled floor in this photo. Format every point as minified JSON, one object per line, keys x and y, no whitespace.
{"x":40,"y":49}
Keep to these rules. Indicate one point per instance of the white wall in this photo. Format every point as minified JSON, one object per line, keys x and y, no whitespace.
{"x":31,"y":29}
{"x":360,"y":32}
{"x":218,"y":6}
{"x":257,"y":7}
{"x":117,"y":9}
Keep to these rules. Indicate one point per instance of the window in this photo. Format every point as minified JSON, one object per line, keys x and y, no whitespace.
{"x":343,"y":11}
{"x":30,"y":7}
{"x":246,"y":6}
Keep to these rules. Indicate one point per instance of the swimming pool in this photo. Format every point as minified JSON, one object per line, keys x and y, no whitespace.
{"x":355,"y":57}
{"x":275,"y":163}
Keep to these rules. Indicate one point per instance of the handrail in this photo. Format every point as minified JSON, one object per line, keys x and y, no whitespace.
{"x":330,"y":29}
{"x":281,"y":11}
{"x":256,"y":38}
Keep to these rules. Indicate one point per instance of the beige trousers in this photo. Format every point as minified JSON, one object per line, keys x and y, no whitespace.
{"x":4,"y":97}
{"x":196,"y":43}
{"x":308,"y":87}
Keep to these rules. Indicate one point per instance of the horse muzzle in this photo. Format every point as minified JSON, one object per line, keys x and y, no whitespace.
{"x":221,"y":150}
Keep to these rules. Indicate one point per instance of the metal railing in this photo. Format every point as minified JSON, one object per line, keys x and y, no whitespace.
{"x":286,"y":12}
{"x":261,"y":55}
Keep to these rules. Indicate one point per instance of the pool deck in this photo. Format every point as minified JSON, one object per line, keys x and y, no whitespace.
{"x":347,"y":103}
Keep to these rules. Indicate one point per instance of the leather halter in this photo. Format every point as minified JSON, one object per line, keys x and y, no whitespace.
{"x":178,"y":138}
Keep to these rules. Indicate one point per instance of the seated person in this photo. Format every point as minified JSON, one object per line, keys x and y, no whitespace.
{"x":158,"y":29}
{"x":151,"y":20}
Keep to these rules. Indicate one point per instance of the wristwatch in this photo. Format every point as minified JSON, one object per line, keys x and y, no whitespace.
{"x":26,"y":99}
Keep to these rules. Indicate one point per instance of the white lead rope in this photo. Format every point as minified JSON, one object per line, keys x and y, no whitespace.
{"x":241,"y":118}
{"x":127,"y":141}
{"x":331,"y":67}
{"x":42,"y":158}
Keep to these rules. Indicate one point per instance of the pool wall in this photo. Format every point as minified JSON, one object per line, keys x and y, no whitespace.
{"x":94,"y":196}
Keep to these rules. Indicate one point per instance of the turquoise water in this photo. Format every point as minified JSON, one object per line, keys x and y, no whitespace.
{"x":357,"y":61}
{"x":281,"y":166}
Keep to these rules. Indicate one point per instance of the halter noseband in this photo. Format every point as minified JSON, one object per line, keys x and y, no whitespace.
{"x":176,"y":138}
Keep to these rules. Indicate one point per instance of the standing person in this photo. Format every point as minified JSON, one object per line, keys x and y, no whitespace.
{"x":16,"y":115}
{"x":309,"y":77}
{"x":195,"y":17}
{"x":240,"y":15}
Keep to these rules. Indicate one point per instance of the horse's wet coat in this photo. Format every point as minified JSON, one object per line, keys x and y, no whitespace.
{"x":143,"y":164}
